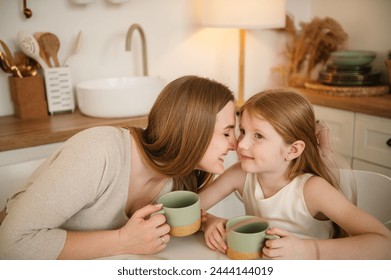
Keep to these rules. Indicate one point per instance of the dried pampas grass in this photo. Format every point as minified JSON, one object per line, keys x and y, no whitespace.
{"x":309,"y":47}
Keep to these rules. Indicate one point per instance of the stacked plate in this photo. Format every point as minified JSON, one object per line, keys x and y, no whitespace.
{"x":350,"y":68}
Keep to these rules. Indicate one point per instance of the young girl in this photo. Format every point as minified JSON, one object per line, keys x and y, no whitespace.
{"x":93,"y":196}
{"x":282,"y":178}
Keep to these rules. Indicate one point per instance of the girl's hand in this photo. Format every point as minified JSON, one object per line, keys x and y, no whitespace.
{"x":289,"y":247}
{"x":204,"y":217}
{"x":141,"y":235}
{"x":214,"y":232}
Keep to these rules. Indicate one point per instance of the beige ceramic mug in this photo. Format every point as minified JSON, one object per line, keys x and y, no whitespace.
{"x":183,"y":212}
{"x":246,"y":236}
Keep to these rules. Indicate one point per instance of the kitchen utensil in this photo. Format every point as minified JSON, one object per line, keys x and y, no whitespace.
{"x":26,"y":11}
{"x":9,"y":58}
{"x":4,"y":64}
{"x":42,"y":53}
{"x":59,"y":91}
{"x":27,"y":66}
{"x":30,"y":47}
{"x":20,"y":58}
{"x":51,"y":45}
{"x":75,"y":47}
{"x":28,"y":70}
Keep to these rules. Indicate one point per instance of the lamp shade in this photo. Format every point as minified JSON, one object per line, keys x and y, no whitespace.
{"x":244,"y":14}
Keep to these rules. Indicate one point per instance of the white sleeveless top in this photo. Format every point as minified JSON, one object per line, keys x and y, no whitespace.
{"x":286,"y":209}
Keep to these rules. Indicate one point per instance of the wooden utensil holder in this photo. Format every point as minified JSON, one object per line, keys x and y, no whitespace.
{"x":28,"y":97}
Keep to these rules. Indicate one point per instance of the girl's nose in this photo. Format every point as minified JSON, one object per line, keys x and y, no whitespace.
{"x":243,"y":143}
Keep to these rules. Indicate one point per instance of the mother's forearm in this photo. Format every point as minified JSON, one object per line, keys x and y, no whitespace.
{"x":91,"y":244}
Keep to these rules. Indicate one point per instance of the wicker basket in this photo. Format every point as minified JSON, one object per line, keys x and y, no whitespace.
{"x":348,"y":90}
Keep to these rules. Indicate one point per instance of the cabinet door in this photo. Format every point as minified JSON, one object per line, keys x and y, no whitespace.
{"x":372,"y":137}
{"x":341,"y":125}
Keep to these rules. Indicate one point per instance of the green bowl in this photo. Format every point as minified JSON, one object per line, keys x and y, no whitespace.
{"x":352,"y":58}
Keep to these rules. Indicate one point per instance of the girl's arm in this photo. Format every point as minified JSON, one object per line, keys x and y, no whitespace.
{"x":232,"y":179}
{"x":369,"y":239}
{"x":214,"y":228}
{"x":214,"y":232}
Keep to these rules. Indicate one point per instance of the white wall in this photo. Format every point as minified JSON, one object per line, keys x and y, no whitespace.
{"x":367,"y":23}
{"x":176,"y":46}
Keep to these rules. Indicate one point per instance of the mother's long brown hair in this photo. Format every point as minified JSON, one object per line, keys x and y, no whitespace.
{"x":180,"y":126}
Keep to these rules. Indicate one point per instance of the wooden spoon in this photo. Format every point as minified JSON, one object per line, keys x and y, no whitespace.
{"x":30,"y":47}
{"x":51,"y":45}
{"x":42,"y":53}
{"x":75,"y":47}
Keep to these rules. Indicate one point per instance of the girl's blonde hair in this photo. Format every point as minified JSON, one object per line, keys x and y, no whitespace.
{"x":180,"y":127}
{"x":292,"y":116}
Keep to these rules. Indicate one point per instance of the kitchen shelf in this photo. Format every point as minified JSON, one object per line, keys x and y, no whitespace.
{"x":16,"y":133}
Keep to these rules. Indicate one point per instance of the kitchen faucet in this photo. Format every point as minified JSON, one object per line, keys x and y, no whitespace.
{"x":128,"y":45}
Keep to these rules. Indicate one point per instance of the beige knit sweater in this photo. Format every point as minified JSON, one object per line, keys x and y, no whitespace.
{"x":82,"y":186}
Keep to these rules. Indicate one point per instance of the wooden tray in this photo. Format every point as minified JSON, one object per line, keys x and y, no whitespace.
{"x":348,"y":91}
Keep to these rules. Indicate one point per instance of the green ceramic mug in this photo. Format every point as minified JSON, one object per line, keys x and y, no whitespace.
{"x":246,"y":236}
{"x":183,"y":212}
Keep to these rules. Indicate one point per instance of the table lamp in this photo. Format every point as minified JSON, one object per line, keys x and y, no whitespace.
{"x":242,"y":14}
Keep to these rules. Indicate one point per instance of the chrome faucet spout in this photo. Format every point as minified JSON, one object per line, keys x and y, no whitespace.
{"x":128,"y":44}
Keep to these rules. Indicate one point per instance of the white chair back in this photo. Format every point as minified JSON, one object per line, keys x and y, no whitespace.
{"x":13,"y":177}
{"x":374,"y":194}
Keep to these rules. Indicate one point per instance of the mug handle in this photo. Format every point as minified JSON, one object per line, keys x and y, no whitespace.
{"x":271,"y":236}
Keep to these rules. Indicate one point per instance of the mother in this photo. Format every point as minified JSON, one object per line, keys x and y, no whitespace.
{"x":93,"y":196}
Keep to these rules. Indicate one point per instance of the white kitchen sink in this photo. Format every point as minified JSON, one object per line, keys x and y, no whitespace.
{"x":118,"y":97}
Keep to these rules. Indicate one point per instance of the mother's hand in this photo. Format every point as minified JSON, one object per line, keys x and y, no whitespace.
{"x":141,"y":235}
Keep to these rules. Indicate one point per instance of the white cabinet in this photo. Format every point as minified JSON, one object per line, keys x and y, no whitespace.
{"x":363,"y":139}
{"x":372,"y":137}
{"x":341,"y":125}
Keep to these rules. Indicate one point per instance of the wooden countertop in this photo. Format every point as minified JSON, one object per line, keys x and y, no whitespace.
{"x":16,"y":133}
{"x":375,"y":105}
